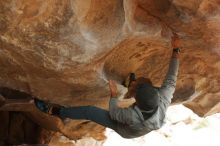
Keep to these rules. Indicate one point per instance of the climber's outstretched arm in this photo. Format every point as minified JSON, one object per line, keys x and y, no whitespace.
{"x":168,"y":87}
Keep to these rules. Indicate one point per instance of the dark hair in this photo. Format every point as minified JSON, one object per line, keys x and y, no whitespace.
{"x":148,"y":81}
{"x":142,"y":80}
{"x":147,"y":96}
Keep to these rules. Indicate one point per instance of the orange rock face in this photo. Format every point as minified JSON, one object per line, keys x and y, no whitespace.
{"x":63,"y":51}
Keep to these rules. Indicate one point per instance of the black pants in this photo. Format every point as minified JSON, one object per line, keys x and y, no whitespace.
{"x":91,"y":113}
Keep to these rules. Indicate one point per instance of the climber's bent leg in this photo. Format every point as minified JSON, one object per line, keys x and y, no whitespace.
{"x":91,"y":113}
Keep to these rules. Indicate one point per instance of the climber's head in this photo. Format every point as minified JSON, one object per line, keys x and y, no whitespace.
{"x":145,"y":94}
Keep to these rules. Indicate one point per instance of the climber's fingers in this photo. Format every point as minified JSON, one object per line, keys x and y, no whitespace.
{"x":175,"y":35}
{"x":175,"y":41}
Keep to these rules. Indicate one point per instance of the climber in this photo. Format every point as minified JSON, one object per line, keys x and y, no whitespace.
{"x":145,"y":115}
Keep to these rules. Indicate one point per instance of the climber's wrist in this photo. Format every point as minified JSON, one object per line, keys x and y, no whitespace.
{"x":176,"y":52}
{"x":114,"y":95}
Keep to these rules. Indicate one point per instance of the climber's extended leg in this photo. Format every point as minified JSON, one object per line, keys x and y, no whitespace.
{"x":91,"y":113}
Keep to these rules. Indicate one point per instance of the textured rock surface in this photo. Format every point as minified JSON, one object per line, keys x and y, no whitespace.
{"x":59,"y":50}
{"x":16,"y":128}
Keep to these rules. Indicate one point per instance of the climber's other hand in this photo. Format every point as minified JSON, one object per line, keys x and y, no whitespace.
{"x":113,"y":88}
{"x":175,"y":42}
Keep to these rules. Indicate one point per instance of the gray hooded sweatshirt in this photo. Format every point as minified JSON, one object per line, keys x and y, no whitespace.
{"x":131,"y":123}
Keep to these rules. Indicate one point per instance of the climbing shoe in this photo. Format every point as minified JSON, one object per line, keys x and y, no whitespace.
{"x":43,"y":106}
{"x":48,"y":108}
{"x":129,"y":79}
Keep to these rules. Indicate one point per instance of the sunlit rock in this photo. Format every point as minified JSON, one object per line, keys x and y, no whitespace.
{"x":65,"y":51}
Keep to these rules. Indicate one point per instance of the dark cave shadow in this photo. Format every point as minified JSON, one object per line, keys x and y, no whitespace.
{"x":9,"y":93}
